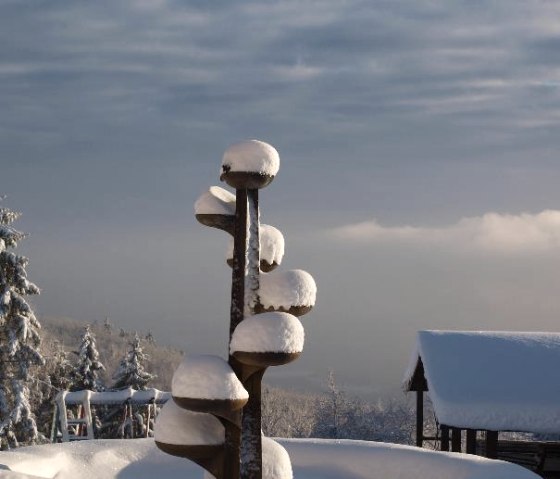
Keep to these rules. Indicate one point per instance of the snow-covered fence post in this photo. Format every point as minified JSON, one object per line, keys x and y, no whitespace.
{"x":218,"y":421}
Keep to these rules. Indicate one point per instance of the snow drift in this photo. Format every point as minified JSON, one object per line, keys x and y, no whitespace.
{"x":311,"y":459}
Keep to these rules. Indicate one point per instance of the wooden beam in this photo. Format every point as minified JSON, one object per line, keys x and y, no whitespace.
{"x":455,"y":439}
{"x":492,"y":444}
{"x":444,"y":438}
{"x":418,"y":382}
{"x":419,"y":418}
{"x":471,"y":441}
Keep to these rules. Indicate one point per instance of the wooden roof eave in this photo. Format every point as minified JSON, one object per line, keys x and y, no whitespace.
{"x":418,"y":381}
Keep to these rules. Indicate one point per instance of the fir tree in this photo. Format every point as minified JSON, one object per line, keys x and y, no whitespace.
{"x":60,"y":369}
{"x":131,"y":371}
{"x":56,"y":377}
{"x":108,"y":326}
{"x":19,"y":339}
{"x":88,"y":367}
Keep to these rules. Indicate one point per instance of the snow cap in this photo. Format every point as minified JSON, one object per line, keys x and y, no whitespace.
{"x":215,"y":201}
{"x":287,"y":288}
{"x":271,"y":245}
{"x":276,"y":462}
{"x":201,"y":376}
{"x":268,"y":333}
{"x":252,"y":156}
{"x":185,"y":428}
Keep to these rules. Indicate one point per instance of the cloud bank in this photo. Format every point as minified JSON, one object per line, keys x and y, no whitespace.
{"x":491,"y":232}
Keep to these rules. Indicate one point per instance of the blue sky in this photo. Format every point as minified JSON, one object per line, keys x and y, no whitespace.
{"x":419,"y":163}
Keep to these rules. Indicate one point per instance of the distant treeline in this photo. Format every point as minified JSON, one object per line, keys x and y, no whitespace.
{"x":286,"y":413}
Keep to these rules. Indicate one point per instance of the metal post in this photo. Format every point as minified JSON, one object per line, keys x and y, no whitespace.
{"x":251,"y":444}
{"x":232,"y":432}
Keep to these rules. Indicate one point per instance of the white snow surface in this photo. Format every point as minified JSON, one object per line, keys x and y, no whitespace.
{"x":276,"y":462}
{"x":252,"y":156}
{"x":311,"y":459}
{"x":501,"y":381}
{"x":201,"y":376}
{"x":287,"y":288}
{"x":215,"y":201}
{"x":175,"y":425}
{"x":271,"y":245}
{"x":269,"y":333}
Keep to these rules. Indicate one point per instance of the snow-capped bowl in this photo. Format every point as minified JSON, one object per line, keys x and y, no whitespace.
{"x":216,"y":208}
{"x":250,"y":164}
{"x":271,"y":242}
{"x":268,"y":339}
{"x":206,"y":383}
{"x":292,"y":291}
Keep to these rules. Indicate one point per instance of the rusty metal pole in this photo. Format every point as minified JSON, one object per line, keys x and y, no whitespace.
{"x":233,"y":433}
{"x":251,"y":443}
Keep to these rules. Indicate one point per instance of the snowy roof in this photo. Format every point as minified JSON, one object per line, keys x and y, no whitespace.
{"x":500,"y":381}
{"x":204,"y":376}
{"x":252,"y":156}
{"x":115,"y":397}
{"x":287,"y":288}
{"x":268,"y":333}
{"x":186,"y":428}
{"x":215,"y":201}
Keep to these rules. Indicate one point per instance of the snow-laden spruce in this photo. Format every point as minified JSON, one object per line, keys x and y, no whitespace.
{"x":88,"y":367}
{"x":203,"y":376}
{"x":271,"y":245}
{"x":276,"y":462}
{"x":252,"y":156}
{"x":284,"y":289}
{"x":131,"y":371}
{"x":185,"y":428}
{"x":215,"y":201}
{"x":19,"y":347}
{"x":268,"y":333}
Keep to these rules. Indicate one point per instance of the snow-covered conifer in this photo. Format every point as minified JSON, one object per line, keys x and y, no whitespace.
{"x":107,"y":326}
{"x":88,"y":367}
{"x":56,"y":376}
{"x":131,"y":371}
{"x":19,"y":339}
{"x":60,"y":369}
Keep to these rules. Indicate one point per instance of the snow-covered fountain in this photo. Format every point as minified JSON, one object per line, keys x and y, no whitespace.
{"x":215,"y":416}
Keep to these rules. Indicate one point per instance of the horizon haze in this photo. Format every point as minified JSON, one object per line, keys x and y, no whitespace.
{"x":418,"y":180}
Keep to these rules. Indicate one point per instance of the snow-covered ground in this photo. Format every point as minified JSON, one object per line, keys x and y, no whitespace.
{"x":311,"y":459}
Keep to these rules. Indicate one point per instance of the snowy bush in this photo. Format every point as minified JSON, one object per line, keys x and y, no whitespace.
{"x":336,"y":415}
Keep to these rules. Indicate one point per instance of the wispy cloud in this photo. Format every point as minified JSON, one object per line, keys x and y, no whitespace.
{"x":491,"y":232}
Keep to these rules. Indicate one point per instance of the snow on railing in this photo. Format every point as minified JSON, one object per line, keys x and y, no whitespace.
{"x":100,"y":398}
{"x":80,"y":427}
